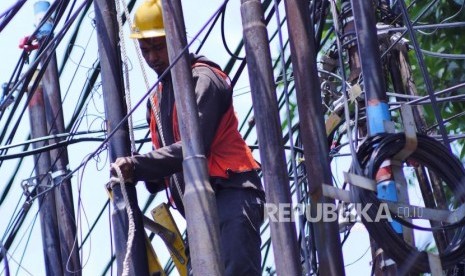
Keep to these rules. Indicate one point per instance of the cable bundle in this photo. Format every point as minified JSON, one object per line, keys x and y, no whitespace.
{"x":433,"y":155}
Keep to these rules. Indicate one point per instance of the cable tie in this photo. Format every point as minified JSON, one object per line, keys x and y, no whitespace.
{"x":411,"y":141}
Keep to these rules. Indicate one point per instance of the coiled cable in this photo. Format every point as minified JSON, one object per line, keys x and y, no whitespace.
{"x":433,"y":155}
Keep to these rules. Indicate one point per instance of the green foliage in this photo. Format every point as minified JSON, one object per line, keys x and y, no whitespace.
{"x":443,"y":72}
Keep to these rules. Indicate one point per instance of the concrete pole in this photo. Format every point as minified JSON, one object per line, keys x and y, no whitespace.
{"x":59,"y":159}
{"x":119,"y":144}
{"x":377,"y":109}
{"x":283,"y":234}
{"x":199,"y":198}
{"x":313,"y":133}
{"x":47,"y":209}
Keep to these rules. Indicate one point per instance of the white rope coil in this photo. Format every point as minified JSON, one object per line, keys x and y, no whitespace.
{"x":132,"y":225}
{"x":127,"y":89}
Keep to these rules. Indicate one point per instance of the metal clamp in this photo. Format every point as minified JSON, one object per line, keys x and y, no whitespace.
{"x":35,"y":182}
{"x":360,"y":181}
{"x":411,"y":141}
{"x":59,"y":173}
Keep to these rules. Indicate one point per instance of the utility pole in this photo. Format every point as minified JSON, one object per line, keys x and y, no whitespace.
{"x":47,"y":209}
{"x":377,"y":111}
{"x":119,"y":144}
{"x":283,"y":234}
{"x":313,"y":133}
{"x":59,"y":159}
{"x":199,"y":198}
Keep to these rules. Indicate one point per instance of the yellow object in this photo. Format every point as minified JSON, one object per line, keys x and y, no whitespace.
{"x":332,"y":122}
{"x":162,"y":216}
{"x":154,"y":263}
{"x":155,"y":267}
{"x":148,"y":20}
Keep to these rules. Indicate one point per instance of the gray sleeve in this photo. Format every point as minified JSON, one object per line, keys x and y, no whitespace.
{"x":213,"y":98}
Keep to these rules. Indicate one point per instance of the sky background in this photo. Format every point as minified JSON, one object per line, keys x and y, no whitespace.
{"x":88,"y":184}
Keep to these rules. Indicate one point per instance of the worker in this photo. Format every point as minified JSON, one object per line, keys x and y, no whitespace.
{"x":233,"y":171}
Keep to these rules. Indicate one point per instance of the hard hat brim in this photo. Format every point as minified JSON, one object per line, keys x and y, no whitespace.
{"x":147,"y":34}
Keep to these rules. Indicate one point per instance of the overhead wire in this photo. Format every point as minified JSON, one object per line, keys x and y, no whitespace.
{"x":459,"y":12}
{"x":334,"y":12}
{"x":223,"y":35}
{"x":51,"y":47}
{"x":426,"y":77}
{"x":9,"y":13}
{"x":121,"y":122}
{"x":217,"y":17}
{"x":63,"y":7}
{"x":5,"y":259}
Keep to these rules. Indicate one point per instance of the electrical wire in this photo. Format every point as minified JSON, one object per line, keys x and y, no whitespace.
{"x":223,"y":35}
{"x":435,"y":157}
{"x":123,"y":120}
{"x":5,"y":259}
{"x":10,"y":13}
{"x":344,"y":85}
{"x":426,"y":77}
{"x":28,"y":74}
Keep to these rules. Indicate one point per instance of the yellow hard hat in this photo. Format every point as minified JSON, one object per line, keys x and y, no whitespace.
{"x":148,"y":20}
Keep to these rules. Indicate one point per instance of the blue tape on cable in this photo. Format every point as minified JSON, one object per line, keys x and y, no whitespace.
{"x":40,"y":9}
{"x":376,"y":115}
{"x":387,"y":190}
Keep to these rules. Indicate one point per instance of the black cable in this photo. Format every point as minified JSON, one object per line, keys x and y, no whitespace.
{"x":5,"y":259}
{"x":223,"y":36}
{"x":10,"y":13}
{"x":433,"y":155}
{"x":210,"y":30}
{"x":29,"y":74}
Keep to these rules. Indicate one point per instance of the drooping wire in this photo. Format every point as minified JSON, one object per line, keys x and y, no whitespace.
{"x":223,"y":35}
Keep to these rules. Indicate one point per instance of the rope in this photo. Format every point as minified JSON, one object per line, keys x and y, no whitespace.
{"x":127,"y":90}
{"x":132,"y":225}
{"x":154,"y":107}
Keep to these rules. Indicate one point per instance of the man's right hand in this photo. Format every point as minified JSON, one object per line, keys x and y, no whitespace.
{"x":126,"y":165}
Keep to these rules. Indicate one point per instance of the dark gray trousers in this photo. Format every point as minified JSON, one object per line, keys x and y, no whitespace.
{"x":240,"y":213}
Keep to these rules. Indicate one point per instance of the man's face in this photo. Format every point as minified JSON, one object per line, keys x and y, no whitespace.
{"x":155,"y":53}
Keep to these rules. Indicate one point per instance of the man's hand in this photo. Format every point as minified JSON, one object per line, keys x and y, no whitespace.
{"x":126,"y":166}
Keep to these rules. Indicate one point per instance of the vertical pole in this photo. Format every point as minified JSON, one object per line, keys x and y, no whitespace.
{"x":283,"y":234}
{"x":59,"y":158}
{"x":119,"y":145}
{"x":47,"y":209}
{"x":376,"y":103}
{"x":313,"y":133}
{"x":368,"y":47}
{"x":199,"y":198}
